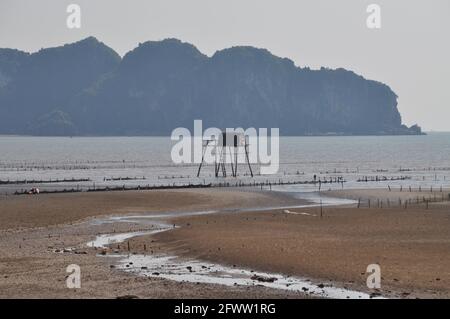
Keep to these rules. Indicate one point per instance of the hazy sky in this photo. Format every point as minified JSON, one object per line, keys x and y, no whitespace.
{"x":410,"y":52}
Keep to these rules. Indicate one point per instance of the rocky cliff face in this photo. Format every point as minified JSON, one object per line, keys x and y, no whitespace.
{"x":84,"y":88}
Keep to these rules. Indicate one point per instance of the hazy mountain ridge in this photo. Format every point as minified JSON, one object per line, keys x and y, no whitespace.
{"x":85,"y":88}
{"x":10,"y":61}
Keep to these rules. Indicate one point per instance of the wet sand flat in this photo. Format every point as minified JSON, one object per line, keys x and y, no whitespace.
{"x":410,"y":244}
{"x":29,"y":211}
{"x":41,"y":235}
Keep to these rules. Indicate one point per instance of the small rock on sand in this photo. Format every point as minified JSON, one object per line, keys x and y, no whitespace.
{"x":375,"y":294}
{"x":263,"y":279}
{"x":127,"y":297}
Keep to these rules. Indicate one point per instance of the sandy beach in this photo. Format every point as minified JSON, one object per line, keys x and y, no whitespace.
{"x":41,"y":235}
{"x":332,"y":246}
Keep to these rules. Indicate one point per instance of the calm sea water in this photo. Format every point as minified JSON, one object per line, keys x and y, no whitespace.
{"x":424,"y":159}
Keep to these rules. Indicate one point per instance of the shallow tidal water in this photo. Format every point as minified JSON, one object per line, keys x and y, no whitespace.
{"x":108,"y":161}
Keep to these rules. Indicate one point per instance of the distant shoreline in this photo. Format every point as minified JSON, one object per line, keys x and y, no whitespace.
{"x":168,"y":136}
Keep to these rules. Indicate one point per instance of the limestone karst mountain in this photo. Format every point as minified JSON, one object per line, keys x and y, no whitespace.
{"x":85,"y":88}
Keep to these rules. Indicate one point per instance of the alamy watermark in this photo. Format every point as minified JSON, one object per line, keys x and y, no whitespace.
{"x":212,"y":145}
{"x":73,"y":20}
{"x":374,"y":279}
{"x":374,"y":19}
{"x":73,"y":280}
